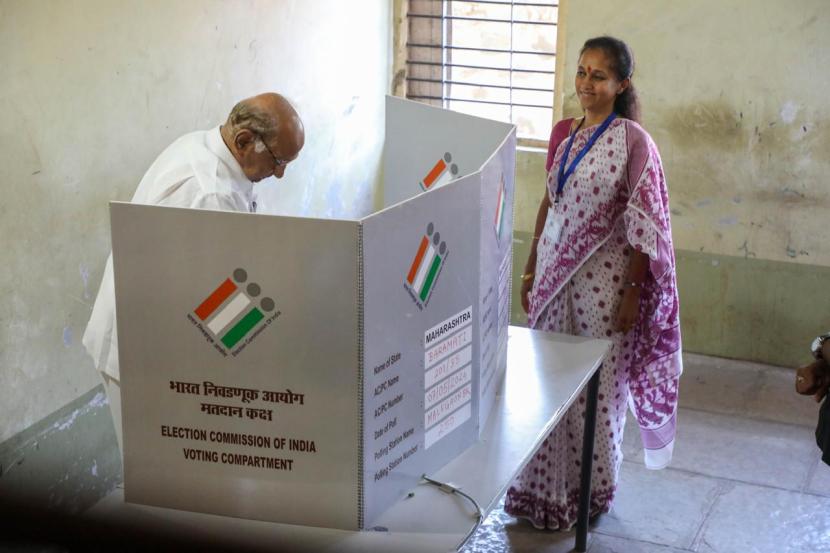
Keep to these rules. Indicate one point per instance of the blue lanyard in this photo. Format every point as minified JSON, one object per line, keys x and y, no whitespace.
{"x":563,"y":174}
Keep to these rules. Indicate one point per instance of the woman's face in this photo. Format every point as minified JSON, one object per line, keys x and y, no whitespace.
{"x":596,"y":83}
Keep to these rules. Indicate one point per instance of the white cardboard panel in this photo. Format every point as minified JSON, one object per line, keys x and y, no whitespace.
{"x":418,"y":137}
{"x":408,"y":333}
{"x":167,"y":262}
{"x":497,"y":194}
{"x":385,"y":327}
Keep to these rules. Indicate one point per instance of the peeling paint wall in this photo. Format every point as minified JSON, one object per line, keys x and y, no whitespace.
{"x":93,"y":90}
{"x":734,"y":94}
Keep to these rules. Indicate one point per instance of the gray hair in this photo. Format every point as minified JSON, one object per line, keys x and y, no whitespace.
{"x":244,"y":115}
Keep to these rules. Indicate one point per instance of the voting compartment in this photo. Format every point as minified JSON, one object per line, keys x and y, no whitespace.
{"x":238,"y":344}
{"x":309,"y":371}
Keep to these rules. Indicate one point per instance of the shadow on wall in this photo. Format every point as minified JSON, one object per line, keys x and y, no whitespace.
{"x":66,"y":462}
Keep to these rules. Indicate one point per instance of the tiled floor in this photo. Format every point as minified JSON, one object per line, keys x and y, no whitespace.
{"x":746,"y":477}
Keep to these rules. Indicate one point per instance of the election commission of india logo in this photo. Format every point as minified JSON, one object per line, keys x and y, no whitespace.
{"x":426,"y":266}
{"x":442,"y":172}
{"x":234,"y":314}
{"x":500,"y":204}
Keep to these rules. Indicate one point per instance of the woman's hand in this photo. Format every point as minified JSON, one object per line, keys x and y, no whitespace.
{"x":638,"y":266}
{"x":628,"y":310}
{"x":527,"y":286}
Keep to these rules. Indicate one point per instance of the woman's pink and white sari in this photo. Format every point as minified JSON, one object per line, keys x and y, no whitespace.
{"x":615,"y":200}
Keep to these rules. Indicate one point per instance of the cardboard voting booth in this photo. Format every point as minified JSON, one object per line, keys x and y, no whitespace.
{"x":309,"y":371}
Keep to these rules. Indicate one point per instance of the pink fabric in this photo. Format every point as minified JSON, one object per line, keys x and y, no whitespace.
{"x":616,"y":201}
{"x":557,"y":135}
{"x":620,"y":178}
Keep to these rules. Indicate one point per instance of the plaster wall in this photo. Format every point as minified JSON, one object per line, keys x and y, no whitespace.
{"x":94,"y":90}
{"x":734,"y":95}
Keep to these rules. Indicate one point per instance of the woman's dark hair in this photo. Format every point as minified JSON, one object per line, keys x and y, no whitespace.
{"x":626,"y":104}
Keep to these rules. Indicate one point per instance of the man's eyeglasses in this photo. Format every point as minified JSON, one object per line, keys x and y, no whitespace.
{"x":278,"y":162}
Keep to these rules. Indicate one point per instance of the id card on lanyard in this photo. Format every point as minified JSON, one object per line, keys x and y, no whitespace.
{"x":564,"y":174}
{"x":554,"y":222}
{"x":552,"y":231}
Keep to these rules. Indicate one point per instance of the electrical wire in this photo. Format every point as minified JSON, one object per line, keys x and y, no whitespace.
{"x":450,"y":489}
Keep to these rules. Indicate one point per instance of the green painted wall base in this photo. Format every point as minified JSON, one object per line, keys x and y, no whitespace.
{"x":736,"y":307}
{"x":745,"y":308}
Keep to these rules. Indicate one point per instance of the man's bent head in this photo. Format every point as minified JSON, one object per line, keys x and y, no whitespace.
{"x":264,"y":133}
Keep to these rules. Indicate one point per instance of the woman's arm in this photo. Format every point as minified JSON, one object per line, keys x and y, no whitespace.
{"x":530,"y":266}
{"x":640,"y":150}
{"x":629,"y":308}
{"x":558,"y":134}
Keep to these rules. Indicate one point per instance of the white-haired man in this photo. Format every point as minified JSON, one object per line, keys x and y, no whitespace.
{"x":214,"y":169}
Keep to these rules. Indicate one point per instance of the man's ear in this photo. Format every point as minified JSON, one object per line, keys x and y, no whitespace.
{"x":244,"y":138}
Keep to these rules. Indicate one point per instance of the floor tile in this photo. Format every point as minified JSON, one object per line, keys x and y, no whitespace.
{"x":611,"y":544}
{"x":820,"y":480}
{"x":776,"y":400}
{"x":720,"y":494}
{"x":754,"y":519}
{"x":743,"y":388}
{"x":718,"y":385}
{"x":663,"y":507}
{"x":632,"y":446}
{"x":502,"y":533}
{"x":756,"y":452}
{"x":521,"y":537}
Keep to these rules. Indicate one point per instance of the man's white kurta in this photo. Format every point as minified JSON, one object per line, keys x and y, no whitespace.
{"x":196,"y":171}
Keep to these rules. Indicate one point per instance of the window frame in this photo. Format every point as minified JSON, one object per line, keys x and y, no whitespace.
{"x":430,"y":89}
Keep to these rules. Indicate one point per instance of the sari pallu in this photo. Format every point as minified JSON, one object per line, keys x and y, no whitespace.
{"x":621,"y":178}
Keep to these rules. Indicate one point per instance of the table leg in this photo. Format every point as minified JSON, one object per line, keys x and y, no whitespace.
{"x":587,"y":462}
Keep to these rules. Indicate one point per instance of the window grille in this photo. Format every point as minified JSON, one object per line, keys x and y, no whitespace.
{"x":494,"y":59}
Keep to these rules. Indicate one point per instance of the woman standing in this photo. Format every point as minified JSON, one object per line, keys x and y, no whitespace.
{"x":602,"y":265}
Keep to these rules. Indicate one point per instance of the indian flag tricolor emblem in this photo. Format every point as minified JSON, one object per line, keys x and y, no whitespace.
{"x":425,"y":267}
{"x":441,"y":173}
{"x":231,"y":311}
{"x":500,"y":208}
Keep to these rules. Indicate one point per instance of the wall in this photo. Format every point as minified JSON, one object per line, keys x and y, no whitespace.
{"x":92,"y":92}
{"x":733,"y":94}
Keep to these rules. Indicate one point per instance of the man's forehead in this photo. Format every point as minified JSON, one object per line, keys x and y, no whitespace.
{"x":286,"y":150}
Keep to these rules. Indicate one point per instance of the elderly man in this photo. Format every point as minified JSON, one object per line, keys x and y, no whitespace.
{"x":212,"y":169}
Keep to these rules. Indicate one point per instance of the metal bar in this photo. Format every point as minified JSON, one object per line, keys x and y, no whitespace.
{"x":482,"y":85}
{"x":435,"y":63}
{"x":450,"y":99}
{"x":446,"y":55}
{"x":506,"y":3}
{"x":484,"y":19}
{"x":584,"y":511}
{"x":496,"y":50}
{"x":510,"y":75}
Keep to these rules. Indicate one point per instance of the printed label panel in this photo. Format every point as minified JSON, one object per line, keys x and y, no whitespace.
{"x":449,"y":346}
{"x":440,"y":391}
{"x":446,"y":426}
{"x":447,"y":327}
{"x":447,"y":406}
{"x":448,"y":366}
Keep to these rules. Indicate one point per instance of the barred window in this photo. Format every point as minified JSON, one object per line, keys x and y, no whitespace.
{"x":494,"y":59}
